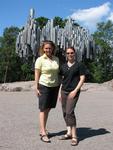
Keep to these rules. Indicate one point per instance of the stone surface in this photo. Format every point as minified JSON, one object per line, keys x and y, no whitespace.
{"x":19,"y":121}
{"x":17,"y":86}
{"x":30,"y":86}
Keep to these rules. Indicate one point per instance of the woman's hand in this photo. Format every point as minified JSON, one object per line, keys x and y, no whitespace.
{"x":72,"y":94}
{"x":59,"y":94}
{"x":38,"y":92}
{"x":59,"y":98}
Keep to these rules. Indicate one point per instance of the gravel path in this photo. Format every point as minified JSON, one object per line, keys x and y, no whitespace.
{"x":19,"y":128}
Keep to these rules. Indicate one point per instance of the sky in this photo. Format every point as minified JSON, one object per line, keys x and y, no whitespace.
{"x":86,"y":12}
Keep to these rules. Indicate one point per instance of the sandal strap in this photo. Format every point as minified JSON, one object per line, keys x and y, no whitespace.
{"x":65,"y":137}
{"x":43,"y":136}
{"x":75,"y":137}
{"x":74,"y":141}
{"x":46,"y":133}
{"x":45,"y":140}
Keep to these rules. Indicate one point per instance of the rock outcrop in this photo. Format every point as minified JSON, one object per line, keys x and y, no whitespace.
{"x":30,"y":86}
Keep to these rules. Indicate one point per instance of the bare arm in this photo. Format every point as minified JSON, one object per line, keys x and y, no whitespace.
{"x":59,"y":93}
{"x":78,"y":87}
{"x":37,"y":77}
{"x":80,"y":83}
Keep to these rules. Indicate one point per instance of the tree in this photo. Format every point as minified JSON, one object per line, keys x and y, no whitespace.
{"x":104,"y":46}
{"x":9,"y":37}
{"x":58,"y":21}
{"x":9,"y":61}
{"x":41,"y":21}
{"x":27,"y":73}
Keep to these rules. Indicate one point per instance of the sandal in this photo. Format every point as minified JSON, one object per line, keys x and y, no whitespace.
{"x":74,"y":141}
{"x":65,"y":137}
{"x":45,"y":138}
{"x":46,"y":133}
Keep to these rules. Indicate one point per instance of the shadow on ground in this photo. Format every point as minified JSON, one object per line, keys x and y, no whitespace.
{"x":83,"y":133}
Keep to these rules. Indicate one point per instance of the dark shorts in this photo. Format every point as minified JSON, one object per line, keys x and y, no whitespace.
{"x":48,"y":97}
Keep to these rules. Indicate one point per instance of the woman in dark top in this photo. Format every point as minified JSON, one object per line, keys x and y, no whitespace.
{"x":73,"y":77}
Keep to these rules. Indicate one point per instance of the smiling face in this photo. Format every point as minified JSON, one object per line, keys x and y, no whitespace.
{"x":48,"y":50}
{"x":70,"y":54}
{"x":48,"y":47}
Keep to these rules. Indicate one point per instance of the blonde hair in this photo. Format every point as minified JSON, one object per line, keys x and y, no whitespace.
{"x":41,"y":50}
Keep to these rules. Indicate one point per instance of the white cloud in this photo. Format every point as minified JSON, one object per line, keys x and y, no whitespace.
{"x":110,"y":17}
{"x":90,"y":17}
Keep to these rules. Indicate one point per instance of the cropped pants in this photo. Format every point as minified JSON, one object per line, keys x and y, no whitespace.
{"x":68,"y":106}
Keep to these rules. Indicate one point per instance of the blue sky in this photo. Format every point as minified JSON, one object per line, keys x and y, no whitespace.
{"x":86,"y":12}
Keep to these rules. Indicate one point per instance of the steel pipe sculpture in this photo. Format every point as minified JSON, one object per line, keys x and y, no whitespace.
{"x":30,"y":37}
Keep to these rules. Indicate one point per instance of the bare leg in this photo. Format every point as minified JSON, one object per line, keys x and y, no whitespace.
{"x":46,"y":116}
{"x":74,"y":136}
{"x":74,"y":131}
{"x":69,"y":132}
{"x":43,"y":120}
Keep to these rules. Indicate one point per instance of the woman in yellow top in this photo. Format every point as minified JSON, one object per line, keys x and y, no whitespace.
{"x":47,"y":84}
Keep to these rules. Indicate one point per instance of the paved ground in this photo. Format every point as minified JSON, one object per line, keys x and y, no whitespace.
{"x":19,"y":126}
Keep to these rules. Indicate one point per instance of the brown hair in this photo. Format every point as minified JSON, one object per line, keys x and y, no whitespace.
{"x":41,"y":50}
{"x":71,"y":47}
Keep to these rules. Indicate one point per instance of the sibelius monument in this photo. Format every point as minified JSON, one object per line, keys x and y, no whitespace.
{"x":29,"y":39}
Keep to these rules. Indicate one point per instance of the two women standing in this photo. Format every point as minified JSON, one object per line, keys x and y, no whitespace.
{"x":47,"y":86}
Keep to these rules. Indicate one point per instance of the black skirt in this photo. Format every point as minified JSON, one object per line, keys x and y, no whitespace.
{"x":48,"y":97}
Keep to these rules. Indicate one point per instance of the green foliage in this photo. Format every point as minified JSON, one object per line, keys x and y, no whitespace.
{"x":96,"y":72}
{"x":41,"y":21}
{"x":57,"y":21}
{"x":9,"y":62}
{"x":27,"y":73}
{"x":9,"y":38}
{"x":104,"y":33}
{"x":13,"y":68}
{"x":102,"y":68}
{"x":9,"y":67}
